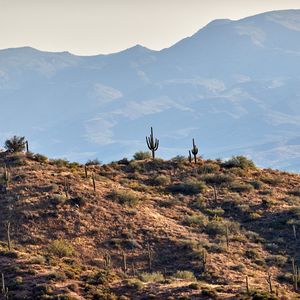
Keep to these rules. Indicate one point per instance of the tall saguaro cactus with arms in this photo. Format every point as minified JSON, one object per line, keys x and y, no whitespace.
{"x":152,"y":143}
{"x":194,"y":151}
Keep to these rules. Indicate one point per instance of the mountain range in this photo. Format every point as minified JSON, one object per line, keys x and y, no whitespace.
{"x":234,"y":86}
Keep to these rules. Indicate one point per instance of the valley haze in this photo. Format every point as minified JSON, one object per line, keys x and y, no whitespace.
{"x":234,"y":86}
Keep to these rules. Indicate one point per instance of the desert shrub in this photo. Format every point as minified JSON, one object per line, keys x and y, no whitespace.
{"x":208,"y":168}
{"x":218,"y":211}
{"x":179,"y":160}
{"x":251,"y":253}
{"x":239,"y":162}
{"x":40,"y":158}
{"x":292,"y":200}
{"x":218,"y":227}
{"x":58,"y":199}
{"x":271,"y":180}
{"x":295,"y":192}
{"x":60,"y":248}
{"x":134,"y":283}
{"x":294,"y":216}
{"x":217,"y":179}
{"x":211,"y":294}
{"x":196,"y":220}
{"x":93,"y":162}
{"x":123,"y":161}
{"x":77,"y":201}
{"x":266,"y":192}
{"x":134,"y":167}
{"x":38,"y":260}
{"x":215,"y":227}
{"x":276,"y":260}
{"x":239,"y":267}
{"x":101,"y":277}
{"x":142,"y":155}
{"x":41,"y":290}
{"x":160,"y":180}
{"x":257,"y":184}
{"x":240,"y":187}
{"x":168,"y":203}
{"x":15,"y":144}
{"x":125,"y":197}
{"x":59,"y":162}
{"x":189,"y":187}
{"x":199,"y":203}
{"x":151,"y":277}
{"x":186,"y":275}
{"x":138,"y":186}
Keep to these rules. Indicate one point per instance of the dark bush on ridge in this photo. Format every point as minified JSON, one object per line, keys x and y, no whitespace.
{"x":142,"y":155}
{"x":189,"y":187}
{"x":15,"y":144}
{"x":239,"y":162}
{"x":217,"y":179}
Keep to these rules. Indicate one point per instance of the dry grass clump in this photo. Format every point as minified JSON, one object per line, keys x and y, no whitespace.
{"x":189,"y":187}
{"x":125,"y":197}
{"x":60,"y":248}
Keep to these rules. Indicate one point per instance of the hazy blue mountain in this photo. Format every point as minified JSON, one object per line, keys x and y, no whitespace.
{"x":233,"y":85}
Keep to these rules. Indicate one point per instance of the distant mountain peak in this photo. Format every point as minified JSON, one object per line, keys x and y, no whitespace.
{"x":218,"y":22}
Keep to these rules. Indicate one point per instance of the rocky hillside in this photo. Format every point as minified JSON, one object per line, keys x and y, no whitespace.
{"x":144,"y":229}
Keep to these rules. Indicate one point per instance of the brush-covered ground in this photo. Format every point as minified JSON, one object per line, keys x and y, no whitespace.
{"x":150,"y":230}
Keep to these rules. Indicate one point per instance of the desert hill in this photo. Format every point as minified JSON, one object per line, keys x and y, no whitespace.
{"x":143,"y":229}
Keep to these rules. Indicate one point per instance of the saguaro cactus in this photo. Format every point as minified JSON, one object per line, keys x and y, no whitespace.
{"x":27,"y":146}
{"x":269,"y":280}
{"x":66,"y":187}
{"x":124,"y":259}
{"x":6,"y":176}
{"x":94,"y":182}
{"x":150,"y":256}
{"x":152,"y":143}
{"x":194,"y":151}
{"x":8,"y":236}
{"x":190,"y":156}
{"x":295,"y":274}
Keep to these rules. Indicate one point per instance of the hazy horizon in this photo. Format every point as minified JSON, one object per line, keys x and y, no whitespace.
{"x":101,"y":27}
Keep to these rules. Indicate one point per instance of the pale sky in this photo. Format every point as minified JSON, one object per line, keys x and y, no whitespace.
{"x":88,"y":27}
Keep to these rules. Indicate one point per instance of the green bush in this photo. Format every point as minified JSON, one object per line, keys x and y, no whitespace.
{"x":218,"y":227}
{"x":196,"y":220}
{"x":151,"y":277}
{"x":15,"y":144}
{"x":271,"y":180}
{"x":125,"y":197}
{"x":59,"y":162}
{"x":189,"y":187}
{"x":217,"y":179}
{"x":257,"y":184}
{"x":40,"y":158}
{"x":93,"y":162}
{"x":160,"y":180}
{"x":241,"y":187}
{"x":60,"y":248}
{"x":239,"y":162}
{"x":209,"y":168}
{"x":142,"y":155}
{"x":186,"y":275}
{"x":276,"y":260}
{"x":295,"y":192}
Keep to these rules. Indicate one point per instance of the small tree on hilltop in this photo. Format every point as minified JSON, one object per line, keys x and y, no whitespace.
{"x":15,"y":144}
